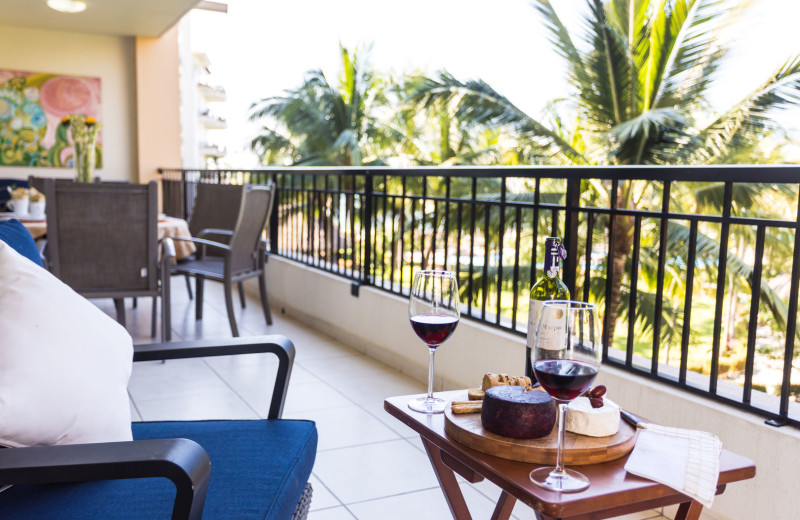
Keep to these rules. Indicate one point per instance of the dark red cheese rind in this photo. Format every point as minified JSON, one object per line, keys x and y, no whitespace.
{"x":511,"y":412}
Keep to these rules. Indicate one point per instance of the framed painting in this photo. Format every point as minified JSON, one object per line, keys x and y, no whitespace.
{"x":32,"y":105}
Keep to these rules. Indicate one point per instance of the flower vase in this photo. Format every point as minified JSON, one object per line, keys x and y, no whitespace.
{"x":84,"y":161}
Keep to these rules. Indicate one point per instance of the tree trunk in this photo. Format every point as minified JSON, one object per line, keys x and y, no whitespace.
{"x":619,"y":250}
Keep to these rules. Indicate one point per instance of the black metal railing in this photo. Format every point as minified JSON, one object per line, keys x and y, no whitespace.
{"x":700,"y":264}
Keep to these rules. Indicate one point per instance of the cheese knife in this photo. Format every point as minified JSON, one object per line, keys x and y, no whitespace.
{"x":632,"y":419}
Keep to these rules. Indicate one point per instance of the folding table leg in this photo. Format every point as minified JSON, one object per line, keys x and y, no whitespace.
{"x":504,"y":507}
{"x":448,"y":482}
{"x":689,"y":511}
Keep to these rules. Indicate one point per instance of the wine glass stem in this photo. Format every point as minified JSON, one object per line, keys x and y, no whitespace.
{"x":432,"y":354}
{"x":562,"y":432}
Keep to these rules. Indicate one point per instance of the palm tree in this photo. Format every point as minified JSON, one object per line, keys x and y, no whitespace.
{"x":639,"y":80}
{"x":319,"y":124}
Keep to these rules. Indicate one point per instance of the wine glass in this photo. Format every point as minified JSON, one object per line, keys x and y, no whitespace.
{"x":567,"y":354}
{"x":433,"y":311}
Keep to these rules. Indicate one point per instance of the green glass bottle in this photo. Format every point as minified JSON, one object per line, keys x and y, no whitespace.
{"x":548,"y":287}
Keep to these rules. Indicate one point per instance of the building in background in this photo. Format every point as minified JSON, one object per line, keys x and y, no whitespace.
{"x":202,"y":100}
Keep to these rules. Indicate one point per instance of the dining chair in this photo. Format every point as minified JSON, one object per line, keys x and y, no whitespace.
{"x":216,"y":207}
{"x":243,"y":257}
{"x":102,"y":241}
{"x":260,"y":467}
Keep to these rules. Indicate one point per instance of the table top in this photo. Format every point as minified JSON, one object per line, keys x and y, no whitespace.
{"x":611,"y":486}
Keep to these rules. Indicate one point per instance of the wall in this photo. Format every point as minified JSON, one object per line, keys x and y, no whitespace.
{"x":158,"y":104}
{"x":376,"y":323}
{"x":110,"y":58}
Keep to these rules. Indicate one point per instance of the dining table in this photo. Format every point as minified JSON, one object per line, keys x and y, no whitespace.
{"x":167,"y":227}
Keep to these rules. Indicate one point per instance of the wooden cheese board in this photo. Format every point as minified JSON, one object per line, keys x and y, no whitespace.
{"x":578,"y":449}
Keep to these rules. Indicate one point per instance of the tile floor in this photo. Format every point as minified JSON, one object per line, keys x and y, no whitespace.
{"x":337,"y":387}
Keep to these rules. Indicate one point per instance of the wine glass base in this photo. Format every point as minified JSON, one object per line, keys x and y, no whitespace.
{"x":425,"y":405}
{"x":570,"y":481}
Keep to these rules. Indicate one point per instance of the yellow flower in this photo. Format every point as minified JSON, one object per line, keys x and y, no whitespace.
{"x":65,"y":120}
{"x":90,"y":121}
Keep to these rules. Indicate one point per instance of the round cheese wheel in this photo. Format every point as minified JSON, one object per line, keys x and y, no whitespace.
{"x":512,"y":412}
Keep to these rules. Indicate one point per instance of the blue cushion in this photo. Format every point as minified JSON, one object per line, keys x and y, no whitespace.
{"x":258,"y":470}
{"x":13,"y":233}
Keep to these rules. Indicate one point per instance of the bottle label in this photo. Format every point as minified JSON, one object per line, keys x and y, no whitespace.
{"x":534,"y":313}
{"x":554,"y":252}
{"x":550,"y":334}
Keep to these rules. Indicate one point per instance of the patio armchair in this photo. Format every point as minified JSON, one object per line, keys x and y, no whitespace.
{"x":243,"y":257}
{"x":216,"y":207}
{"x":102,"y":241}
{"x":229,"y":469}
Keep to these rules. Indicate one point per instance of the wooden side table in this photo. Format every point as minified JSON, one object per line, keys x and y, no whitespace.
{"x":612,"y":492}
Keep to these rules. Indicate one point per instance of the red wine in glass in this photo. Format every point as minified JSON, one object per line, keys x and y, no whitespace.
{"x":433,"y":313}
{"x":565,"y":359}
{"x":433,"y":329}
{"x":564,"y":379}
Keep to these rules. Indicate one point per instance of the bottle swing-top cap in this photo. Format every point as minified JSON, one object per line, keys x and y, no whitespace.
{"x":554,"y":254}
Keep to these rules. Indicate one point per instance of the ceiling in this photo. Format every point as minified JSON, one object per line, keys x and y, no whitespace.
{"x":109,"y":17}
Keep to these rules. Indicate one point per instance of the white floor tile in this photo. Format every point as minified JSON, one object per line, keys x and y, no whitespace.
{"x":218,"y":405}
{"x":345,"y":426}
{"x":374,"y":471}
{"x":642,"y":515}
{"x":335,"y":513}
{"x":345,"y":368}
{"x":134,"y":412}
{"x":322,"y":498}
{"x":429,"y":504}
{"x":376,"y":384}
{"x":377,"y":411}
{"x":174,"y":378}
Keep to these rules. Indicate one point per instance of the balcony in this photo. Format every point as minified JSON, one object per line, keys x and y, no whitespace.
{"x":347,"y":240}
{"x":212,"y":122}
{"x":212,"y":93}
{"x":211,"y":150}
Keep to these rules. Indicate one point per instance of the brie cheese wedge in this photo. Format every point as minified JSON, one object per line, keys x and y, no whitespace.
{"x":594,"y":422}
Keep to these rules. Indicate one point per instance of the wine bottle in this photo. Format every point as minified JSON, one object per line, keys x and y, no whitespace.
{"x":548,"y":287}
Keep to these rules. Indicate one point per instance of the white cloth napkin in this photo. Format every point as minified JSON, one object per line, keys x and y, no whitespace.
{"x":685,"y":460}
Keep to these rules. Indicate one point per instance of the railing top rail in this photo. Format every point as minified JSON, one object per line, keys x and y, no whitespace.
{"x":778,"y":174}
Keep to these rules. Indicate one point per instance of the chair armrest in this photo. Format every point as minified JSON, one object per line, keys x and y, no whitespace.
{"x":182,"y":461}
{"x":281,"y":346}
{"x":214,"y":231}
{"x":167,"y":251}
{"x":203,"y":241}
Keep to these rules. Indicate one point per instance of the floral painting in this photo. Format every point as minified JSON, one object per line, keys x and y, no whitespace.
{"x":32,"y":106}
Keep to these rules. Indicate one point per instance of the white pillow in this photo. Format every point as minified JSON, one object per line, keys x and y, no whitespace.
{"x":64,"y":364}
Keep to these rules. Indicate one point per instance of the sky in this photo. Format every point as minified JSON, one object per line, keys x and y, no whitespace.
{"x":261,"y":48}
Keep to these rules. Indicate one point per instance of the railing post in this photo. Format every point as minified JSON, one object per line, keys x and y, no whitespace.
{"x":186,"y":196}
{"x":573,"y":197}
{"x":366,"y":267}
{"x":273,"y":219}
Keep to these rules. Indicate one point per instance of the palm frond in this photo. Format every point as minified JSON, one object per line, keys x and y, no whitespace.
{"x":697,"y":51}
{"x":608,"y":67}
{"x":711,"y":196}
{"x":560,"y":38}
{"x":480,"y":104}
{"x":270,"y":145}
{"x":708,"y":258}
{"x":749,"y":117}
